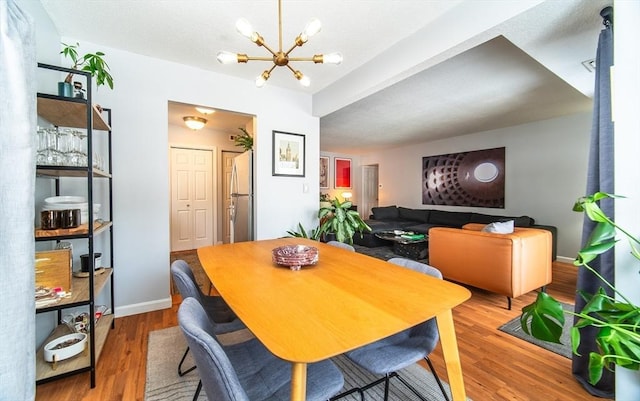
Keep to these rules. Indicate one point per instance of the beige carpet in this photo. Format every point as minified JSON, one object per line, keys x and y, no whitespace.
{"x":166,"y":346}
{"x":191,"y":257}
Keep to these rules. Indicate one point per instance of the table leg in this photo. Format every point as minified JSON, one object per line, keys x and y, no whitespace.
{"x":298,"y":381}
{"x":451,"y":356}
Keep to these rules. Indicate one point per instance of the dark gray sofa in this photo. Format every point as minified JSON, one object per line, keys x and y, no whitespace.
{"x":387,"y":218}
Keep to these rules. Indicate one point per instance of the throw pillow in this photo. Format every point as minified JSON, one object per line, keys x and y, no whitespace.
{"x":503,"y":227}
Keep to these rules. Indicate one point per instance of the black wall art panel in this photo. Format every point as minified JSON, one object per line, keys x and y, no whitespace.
{"x":473,"y":178}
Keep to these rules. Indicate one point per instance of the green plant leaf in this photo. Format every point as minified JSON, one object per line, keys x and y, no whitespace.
{"x":545,"y":317}
{"x":596,"y":364}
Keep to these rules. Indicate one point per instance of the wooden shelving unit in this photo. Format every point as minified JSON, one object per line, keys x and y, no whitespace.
{"x":78,"y":114}
{"x":77,"y":364}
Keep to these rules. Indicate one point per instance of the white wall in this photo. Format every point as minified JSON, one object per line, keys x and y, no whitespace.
{"x":545,"y":163}
{"x":143,"y":87}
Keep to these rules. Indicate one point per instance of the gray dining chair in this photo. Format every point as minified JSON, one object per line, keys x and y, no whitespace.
{"x":389,"y":355}
{"x":215,"y":307}
{"x":342,"y":245}
{"x":247,"y":371}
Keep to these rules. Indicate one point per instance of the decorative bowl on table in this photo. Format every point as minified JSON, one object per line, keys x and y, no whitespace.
{"x":295,"y":256}
{"x":65,"y":347}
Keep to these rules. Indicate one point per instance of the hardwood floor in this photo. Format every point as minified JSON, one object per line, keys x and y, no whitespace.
{"x":496,"y":366}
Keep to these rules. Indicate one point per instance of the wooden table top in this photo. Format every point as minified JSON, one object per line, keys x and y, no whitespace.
{"x":345,"y":301}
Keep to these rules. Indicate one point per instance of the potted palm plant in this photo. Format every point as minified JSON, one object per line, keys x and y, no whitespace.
{"x":92,"y":62}
{"x":617,"y":318}
{"x":337,"y":219}
{"x":245,"y":140}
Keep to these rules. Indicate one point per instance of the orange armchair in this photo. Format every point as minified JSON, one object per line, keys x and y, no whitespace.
{"x":507,"y":264}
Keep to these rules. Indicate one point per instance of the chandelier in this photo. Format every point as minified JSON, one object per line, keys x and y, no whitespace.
{"x":279,"y":58}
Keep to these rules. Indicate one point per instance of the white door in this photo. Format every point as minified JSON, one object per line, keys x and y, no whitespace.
{"x":369,"y":190}
{"x":227,"y":165}
{"x":192,"y":217}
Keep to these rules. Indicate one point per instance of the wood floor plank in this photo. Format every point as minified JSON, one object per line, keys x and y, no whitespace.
{"x":495,"y":365}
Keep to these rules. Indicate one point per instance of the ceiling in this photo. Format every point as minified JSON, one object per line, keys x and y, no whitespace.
{"x":523,"y":69}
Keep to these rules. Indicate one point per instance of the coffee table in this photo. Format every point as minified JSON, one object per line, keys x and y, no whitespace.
{"x":410,"y":248}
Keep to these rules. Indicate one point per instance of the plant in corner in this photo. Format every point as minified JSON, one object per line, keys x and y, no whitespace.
{"x":618,"y":320}
{"x":245,"y":140}
{"x":336,"y":218}
{"x":91,"y":62}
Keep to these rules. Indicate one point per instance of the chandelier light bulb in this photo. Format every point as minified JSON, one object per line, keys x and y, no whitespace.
{"x":244,"y":28}
{"x":304,"y":81}
{"x":313,"y":26}
{"x":332,"y":58}
{"x":225,"y":57}
{"x":261,"y":79}
{"x":280,"y":57}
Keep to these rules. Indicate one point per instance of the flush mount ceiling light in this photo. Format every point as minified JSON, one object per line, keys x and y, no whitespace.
{"x":279,"y":58}
{"x":205,"y":110}
{"x":195,"y":123}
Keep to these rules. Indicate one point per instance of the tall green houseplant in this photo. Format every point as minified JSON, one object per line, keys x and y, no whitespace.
{"x":337,"y":218}
{"x":617,"y":318}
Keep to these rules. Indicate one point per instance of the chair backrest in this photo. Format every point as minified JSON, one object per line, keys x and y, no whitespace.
{"x":342,"y":245}
{"x":428,"y":329}
{"x":417,"y":266}
{"x":185,"y":281}
{"x":218,"y":376}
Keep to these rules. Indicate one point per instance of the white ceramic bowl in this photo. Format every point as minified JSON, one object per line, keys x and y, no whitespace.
{"x":65,"y":199}
{"x":66,"y":352}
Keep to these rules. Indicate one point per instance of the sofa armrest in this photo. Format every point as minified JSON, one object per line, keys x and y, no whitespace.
{"x":508,"y":264}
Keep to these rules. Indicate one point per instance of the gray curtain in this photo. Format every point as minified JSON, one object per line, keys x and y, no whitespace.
{"x":599,"y":178}
{"x":17,"y":183}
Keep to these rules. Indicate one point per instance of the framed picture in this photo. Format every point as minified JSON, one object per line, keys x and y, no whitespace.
{"x":288,"y":154}
{"x":324,"y":172}
{"x":342,"y":170}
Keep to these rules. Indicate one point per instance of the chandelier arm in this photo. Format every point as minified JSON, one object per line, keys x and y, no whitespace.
{"x":279,"y":26}
{"x":250,"y":58}
{"x":269,"y":49}
{"x":292,"y":70}
{"x":290,"y":50}
{"x":302,"y":59}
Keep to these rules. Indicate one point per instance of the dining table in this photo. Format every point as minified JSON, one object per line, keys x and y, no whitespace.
{"x":343,"y":301}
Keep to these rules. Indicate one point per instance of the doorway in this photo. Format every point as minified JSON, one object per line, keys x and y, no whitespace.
{"x":370,"y":187}
{"x":227,"y":166}
{"x":192,"y":198}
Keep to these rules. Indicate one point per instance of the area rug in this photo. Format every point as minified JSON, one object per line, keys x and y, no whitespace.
{"x":166,"y":347}
{"x":191,"y":257}
{"x":514,"y":328}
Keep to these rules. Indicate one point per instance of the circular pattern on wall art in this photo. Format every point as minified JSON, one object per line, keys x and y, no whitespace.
{"x":473,"y":178}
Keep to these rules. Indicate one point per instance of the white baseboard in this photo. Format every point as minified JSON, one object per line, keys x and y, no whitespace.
{"x":142,"y":307}
{"x":564,"y":259}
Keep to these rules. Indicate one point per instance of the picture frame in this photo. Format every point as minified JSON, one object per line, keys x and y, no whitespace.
{"x":288,"y":154}
{"x":324,"y":172}
{"x":342,"y":172}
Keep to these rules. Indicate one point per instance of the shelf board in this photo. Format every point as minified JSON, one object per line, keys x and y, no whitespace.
{"x":63,"y":233}
{"x":78,"y":363}
{"x":69,"y":112}
{"x":80,"y":291}
{"x":68,"y":171}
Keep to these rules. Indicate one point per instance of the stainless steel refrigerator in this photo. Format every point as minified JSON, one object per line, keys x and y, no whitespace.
{"x":241,"y":208}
